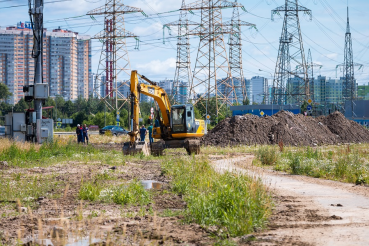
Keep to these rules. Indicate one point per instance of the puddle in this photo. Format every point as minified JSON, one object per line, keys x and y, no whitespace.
{"x":69,"y":242}
{"x":151,"y":184}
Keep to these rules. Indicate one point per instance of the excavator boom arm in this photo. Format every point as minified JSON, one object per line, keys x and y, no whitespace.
{"x":151,"y":90}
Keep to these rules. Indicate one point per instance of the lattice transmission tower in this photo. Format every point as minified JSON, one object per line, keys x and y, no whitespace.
{"x":211,"y":72}
{"x":310,"y":71}
{"x":291,"y":86}
{"x":183,"y":74}
{"x":349,"y":89}
{"x":235,"y":54}
{"x":114,"y":67}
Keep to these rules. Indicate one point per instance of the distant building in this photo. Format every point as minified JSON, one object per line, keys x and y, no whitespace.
{"x":225,"y":89}
{"x":167,"y":85}
{"x":66,"y":61}
{"x":257,"y":90}
{"x":182,"y":92}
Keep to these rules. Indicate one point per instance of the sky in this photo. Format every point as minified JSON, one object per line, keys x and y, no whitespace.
{"x":324,"y":35}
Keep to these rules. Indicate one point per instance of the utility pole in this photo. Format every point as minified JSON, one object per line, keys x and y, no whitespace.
{"x":235,"y":54}
{"x":37,"y":51}
{"x":114,"y":62}
{"x":291,"y":54}
{"x":212,"y":59}
{"x":349,"y":85}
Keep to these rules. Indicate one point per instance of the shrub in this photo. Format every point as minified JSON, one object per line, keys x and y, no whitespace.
{"x":133,"y":193}
{"x":267,"y":155}
{"x":89,"y":191}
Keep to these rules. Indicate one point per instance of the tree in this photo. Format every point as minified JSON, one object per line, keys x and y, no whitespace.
{"x":21,"y":106}
{"x":223,"y":113}
{"x":79,"y":118}
{"x":99,"y":119}
{"x":69,"y":108}
{"x":246,"y":101}
{"x":304,"y":107}
{"x":4,"y":92}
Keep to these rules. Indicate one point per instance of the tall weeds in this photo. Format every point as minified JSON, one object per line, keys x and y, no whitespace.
{"x":236,"y":204}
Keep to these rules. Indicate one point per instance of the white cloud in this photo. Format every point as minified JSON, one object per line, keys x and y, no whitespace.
{"x":154,"y":30}
{"x":332,"y":56}
{"x":75,"y":6}
{"x":158,"y":66}
{"x":157,"y":6}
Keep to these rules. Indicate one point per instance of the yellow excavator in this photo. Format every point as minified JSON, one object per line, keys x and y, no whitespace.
{"x":174,"y":126}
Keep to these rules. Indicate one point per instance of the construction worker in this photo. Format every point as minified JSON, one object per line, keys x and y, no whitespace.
{"x":143,"y":133}
{"x":79,"y":133}
{"x":150,"y":133}
{"x":85,"y":134}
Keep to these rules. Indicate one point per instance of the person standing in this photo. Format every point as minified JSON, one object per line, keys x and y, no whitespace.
{"x":150,"y":128}
{"x":143,"y":133}
{"x":85,"y":134}
{"x":79,"y":134}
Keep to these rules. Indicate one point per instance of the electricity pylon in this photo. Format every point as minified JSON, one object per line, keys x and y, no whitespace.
{"x":212,"y":60}
{"x":310,"y":71}
{"x":291,"y":54}
{"x":114,"y":62}
{"x":183,"y":74}
{"x":349,"y":85}
{"x":235,"y":53}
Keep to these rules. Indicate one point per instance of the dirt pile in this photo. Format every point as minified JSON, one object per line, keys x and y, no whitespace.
{"x":286,"y":127}
{"x":348,"y":131}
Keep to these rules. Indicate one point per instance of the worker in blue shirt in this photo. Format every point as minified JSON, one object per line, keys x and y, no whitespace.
{"x":150,"y":133}
{"x":143,"y":133}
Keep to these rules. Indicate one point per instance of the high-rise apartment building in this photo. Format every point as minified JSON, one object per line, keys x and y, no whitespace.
{"x":257,"y":90}
{"x":66,"y":61}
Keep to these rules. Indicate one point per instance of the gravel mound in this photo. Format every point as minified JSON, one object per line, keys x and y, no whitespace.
{"x":297,"y":130}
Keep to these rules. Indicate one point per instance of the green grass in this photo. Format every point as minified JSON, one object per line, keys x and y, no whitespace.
{"x":132,"y":193}
{"x":27,"y":188}
{"x":234,"y":203}
{"x":170,"y":213}
{"x":341,"y":163}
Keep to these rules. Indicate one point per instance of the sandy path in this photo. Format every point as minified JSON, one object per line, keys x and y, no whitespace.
{"x":322,"y":196}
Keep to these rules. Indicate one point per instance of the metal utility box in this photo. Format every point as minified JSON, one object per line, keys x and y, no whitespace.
{"x":45,"y":130}
{"x":41,"y":91}
{"x":15,"y":126}
{"x":23,"y":127}
{"x":44,"y":133}
{"x":29,"y":130}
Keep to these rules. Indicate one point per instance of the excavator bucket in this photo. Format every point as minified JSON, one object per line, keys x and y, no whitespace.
{"x":136,"y":148}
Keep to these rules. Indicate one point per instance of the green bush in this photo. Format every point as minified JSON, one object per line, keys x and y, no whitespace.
{"x":133,"y":193}
{"x":335,"y":164}
{"x":267,"y":155}
{"x":90,"y":192}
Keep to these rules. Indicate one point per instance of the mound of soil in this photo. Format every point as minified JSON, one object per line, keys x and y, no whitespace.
{"x":287,"y":127}
{"x":348,"y":131}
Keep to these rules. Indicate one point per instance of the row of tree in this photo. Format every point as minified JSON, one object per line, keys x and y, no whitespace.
{"x":95,"y":112}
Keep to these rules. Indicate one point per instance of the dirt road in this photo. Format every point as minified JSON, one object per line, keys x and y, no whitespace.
{"x":309,"y":211}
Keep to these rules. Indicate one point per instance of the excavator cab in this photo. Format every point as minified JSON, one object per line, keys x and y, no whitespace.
{"x":182,"y":119}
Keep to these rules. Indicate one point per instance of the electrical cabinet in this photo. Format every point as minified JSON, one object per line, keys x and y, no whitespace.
{"x":41,"y":91}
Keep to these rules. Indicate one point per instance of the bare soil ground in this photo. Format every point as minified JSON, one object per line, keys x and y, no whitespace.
{"x":157,"y":223}
{"x":308,"y":211}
